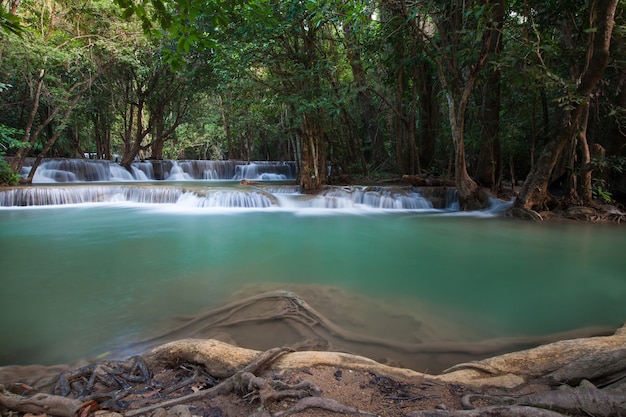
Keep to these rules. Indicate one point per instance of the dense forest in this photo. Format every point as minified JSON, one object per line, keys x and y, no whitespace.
{"x":488,"y":93}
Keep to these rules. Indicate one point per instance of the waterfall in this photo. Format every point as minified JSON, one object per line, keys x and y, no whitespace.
{"x":177,"y":173}
{"x":452,"y":199}
{"x":371,"y":197}
{"x":200,"y":196}
{"x":72,"y":170}
{"x":264,"y":171}
{"x":93,"y":170}
{"x":117,"y":184}
{"x":50,"y":196}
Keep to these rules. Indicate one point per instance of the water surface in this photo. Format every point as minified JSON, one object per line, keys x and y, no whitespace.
{"x":79,"y":280}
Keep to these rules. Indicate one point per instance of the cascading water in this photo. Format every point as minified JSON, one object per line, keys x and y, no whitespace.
{"x":262,"y":195}
{"x":257,"y":197}
{"x":114,"y":258}
{"x":87,"y":170}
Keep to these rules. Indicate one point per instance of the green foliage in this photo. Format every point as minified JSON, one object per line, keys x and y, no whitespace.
{"x":10,"y":23}
{"x":7,"y":176}
{"x":9,"y":139}
{"x":8,"y":143}
{"x":605,"y":166}
{"x":234,"y":78}
{"x":608,"y":164}
{"x":599,"y":191}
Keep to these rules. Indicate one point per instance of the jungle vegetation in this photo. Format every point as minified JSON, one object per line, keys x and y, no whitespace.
{"x":486,"y":92}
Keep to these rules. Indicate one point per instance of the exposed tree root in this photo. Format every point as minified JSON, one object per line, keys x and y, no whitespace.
{"x":119,"y":374}
{"x":40,"y":403}
{"x":598,"y":359}
{"x":524,"y":213}
{"x":220,"y":369}
{"x":496,"y":411}
{"x":326,"y":404}
{"x":308,"y":323}
{"x":585,"y":399}
{"x":243,"y":382}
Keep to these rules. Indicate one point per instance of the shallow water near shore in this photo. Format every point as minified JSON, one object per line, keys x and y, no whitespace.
{"x":81,"y":280}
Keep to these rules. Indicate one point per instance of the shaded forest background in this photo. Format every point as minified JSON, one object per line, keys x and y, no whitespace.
{"x":488,"y":93}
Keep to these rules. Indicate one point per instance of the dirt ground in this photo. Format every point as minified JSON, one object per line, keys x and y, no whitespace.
{"x":365,"y":391}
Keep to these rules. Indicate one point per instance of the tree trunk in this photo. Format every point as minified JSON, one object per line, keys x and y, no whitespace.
{"x":20,"y":156}
{"x":135,"y":134}
{"x":374,"y":144}
{"x":313,"y":168}
{"x":534,"y":194}
{"x":102,"y":136}
{"x":489,"y":169}
{"x":464,"y":183}
{"x":158,"y":141}
{"x":428,"y":116}
{"x":225,"y":113}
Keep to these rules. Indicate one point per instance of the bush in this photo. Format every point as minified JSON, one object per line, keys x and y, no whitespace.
{"x":7,"y":176}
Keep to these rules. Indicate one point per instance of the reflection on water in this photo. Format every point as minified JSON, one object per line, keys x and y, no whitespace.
{"x":80,"y":280}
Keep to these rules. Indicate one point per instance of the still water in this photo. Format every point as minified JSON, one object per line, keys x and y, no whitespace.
{"x":79,"y":280}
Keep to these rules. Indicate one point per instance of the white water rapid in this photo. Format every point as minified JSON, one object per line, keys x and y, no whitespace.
{"x":201,"y":195}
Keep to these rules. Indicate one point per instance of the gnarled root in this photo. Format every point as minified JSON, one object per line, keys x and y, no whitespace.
{"x":585,"y":399}
{"x":40,"y":403}
{"x":326,"y":404}
{"x":118,"y":374}
{"x":508,"y":411}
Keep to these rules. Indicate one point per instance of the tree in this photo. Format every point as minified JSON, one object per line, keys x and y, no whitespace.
{"x":50,"y":87}
{"x":456,"y":36}
{"x":534,"y":194}
{"x":489,"y":164}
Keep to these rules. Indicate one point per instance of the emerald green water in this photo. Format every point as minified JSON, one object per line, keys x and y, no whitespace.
{"x":78,"y":279}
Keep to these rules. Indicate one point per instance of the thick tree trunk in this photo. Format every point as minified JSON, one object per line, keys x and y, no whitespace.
{"x":464,"y":183}
{"x":534,"y":194}
{"x":135,"y":134}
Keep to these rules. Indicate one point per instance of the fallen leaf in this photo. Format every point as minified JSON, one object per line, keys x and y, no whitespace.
{"x":87,"y":408}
